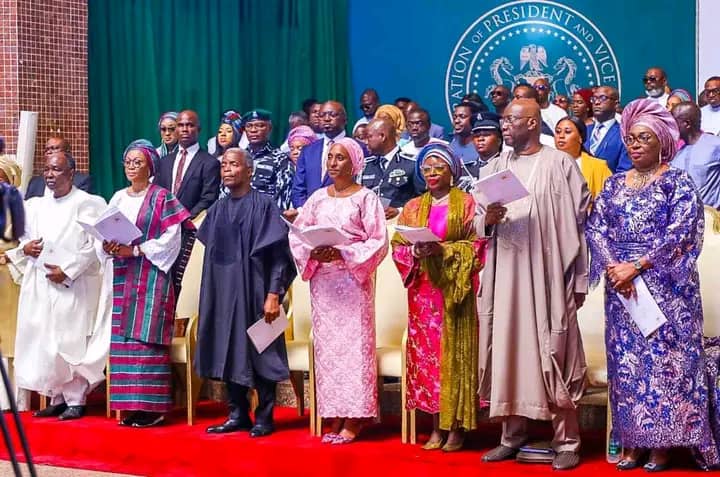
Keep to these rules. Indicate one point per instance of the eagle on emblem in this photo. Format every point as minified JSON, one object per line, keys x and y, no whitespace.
{"x":535,"y":55}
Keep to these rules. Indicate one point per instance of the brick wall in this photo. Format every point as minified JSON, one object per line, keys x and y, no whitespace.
{"x":43,"y":63}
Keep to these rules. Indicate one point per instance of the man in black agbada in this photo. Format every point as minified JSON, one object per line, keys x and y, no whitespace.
{"x":246,"y":271}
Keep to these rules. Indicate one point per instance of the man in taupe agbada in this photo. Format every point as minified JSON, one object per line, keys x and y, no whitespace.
{"x":535,"y":278}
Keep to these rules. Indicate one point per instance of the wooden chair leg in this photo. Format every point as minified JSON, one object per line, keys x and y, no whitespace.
{"x":413,"y":432}
{"x":43,"y":402}
{"x":297,"y":379}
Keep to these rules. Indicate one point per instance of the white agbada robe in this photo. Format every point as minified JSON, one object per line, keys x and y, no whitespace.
{"x":61,"y":348}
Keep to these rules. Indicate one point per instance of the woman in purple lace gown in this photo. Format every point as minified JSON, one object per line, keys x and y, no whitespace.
{"x":648,"y":223}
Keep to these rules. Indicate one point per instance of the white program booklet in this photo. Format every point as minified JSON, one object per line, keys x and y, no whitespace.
{"x":54,"y":255}
{"x":319,"y":235}
{"x":112,"y":225}
{"x":643,"y":309}
{"x":262,"y":333}
{"x":417,"y":234}
{"x":503,"y":187}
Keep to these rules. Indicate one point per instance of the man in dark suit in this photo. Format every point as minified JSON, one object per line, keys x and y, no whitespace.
{"x":36,"y":186}
{"x":603,"y":135}
{"x":310,"y":173}
{"x":193,"y":176}
{"x":190,"y":173}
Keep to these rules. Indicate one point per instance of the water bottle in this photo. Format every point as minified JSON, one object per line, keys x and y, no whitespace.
{"x":614,"y":449}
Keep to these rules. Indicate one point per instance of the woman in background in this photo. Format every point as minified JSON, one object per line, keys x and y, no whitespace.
{"x":229,"y":132}
{"x":167,"y":125}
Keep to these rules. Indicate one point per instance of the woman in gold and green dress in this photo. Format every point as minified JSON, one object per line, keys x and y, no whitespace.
{"x":9,"y":290}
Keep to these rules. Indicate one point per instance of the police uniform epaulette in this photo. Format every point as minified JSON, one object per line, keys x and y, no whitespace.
{"x":406,"y":156}
{"x":370,"y":159}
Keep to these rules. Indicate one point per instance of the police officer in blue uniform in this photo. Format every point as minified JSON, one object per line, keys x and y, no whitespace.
{"x":487,"y":138}
{"x":273,"y":171}
{"x":388,"y":172}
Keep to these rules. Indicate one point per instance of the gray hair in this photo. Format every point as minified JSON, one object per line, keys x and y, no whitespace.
{"x":243,"y":153}
{"x":72,"y":164}
{"x":298,"y":115}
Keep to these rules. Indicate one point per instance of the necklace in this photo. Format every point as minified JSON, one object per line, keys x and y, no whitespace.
{"x":641,"y":179}
{"x":132,"y":193}
{"x":338,"y":193}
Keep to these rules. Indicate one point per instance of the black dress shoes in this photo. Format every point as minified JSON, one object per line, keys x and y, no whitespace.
{"x":72,"y":412}
{"x":231,"y":425}
{"x":259,"y":430}
{"x":51,"y":411}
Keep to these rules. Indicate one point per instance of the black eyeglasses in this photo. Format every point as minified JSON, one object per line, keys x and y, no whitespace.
{"x":167,"y":129}
{"x":642,"y":138}
{"x":601,"y":98}
{"x":712,"y":92}
{"x":651,"y":78}
{"x":541,"y":87}
{"x":496,"y":93}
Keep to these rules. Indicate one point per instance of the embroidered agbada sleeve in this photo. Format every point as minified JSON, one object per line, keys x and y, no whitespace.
{"x":363,"y":257}
{"x":300,"y":250}
{"x":581,"y":201}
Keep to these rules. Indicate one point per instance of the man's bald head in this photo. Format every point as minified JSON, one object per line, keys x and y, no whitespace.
{"x":381,"y":136}
{"x":688,"y":117}
{"x":521,"y":124}
{"x":188,"y":127}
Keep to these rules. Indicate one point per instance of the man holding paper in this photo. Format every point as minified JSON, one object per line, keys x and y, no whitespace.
{"x":60,"y":349}
{"x":246,"y":271}
{"x":534,"y":280}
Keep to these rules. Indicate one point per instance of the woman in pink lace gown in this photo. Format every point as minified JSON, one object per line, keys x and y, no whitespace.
{"x":342,"y":292}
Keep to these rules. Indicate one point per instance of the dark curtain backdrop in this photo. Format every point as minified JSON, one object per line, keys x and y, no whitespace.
{"x":150,"y":56}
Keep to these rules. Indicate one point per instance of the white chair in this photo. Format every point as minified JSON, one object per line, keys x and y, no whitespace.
{"x":391,"y":317}
{"x":299,"y":345}
{"x":710,"y":272}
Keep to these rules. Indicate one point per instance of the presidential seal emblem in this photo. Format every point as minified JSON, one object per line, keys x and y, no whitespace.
{"x":524,"y":40}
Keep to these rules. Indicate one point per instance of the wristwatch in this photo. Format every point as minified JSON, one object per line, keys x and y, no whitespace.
{"x":638,"y":266}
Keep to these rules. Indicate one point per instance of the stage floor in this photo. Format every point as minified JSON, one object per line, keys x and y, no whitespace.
{"x":176,"y":449}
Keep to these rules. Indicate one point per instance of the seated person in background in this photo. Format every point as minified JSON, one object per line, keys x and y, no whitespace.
{"x":676,"y":97}
{"x":224,"y":118}
{"x":229,"y":133}
{"x":396,"y":116}
{"x":487,"y":138}
{"x":295,"y":120}
{"x":36,"y":187}
{"x":462,"y":143}
{"x":360,"y":133}
{"x":388,"y":172}
{"x":436,"y":131}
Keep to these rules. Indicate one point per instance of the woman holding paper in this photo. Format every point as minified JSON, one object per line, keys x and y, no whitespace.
{"x":143,"y":295}
{"x":342,"y":289}
{"x":646,"y":229}
{"x":570,"y":134}
{"x":442,"y":281}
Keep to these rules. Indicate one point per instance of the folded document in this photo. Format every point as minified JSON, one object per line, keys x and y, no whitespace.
{"x":502,"y":187}
{"x":112,"y":225}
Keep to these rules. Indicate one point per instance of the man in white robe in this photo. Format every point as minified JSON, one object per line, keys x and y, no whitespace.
{"x":61,"y":348}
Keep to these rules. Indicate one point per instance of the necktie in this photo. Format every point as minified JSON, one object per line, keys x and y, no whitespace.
{"x":383,"y":163}
{"x":595,"y":139}
{"x":179,"y":172}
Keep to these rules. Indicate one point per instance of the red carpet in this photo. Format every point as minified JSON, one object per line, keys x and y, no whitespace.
{"x":177,"y":449}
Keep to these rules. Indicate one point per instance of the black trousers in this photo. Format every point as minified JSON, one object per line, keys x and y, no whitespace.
{"x":240,"y":404}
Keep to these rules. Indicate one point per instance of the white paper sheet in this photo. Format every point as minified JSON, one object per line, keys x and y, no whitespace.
{"x":644,"y":310}
{"x":503,"y":187}
{"x":417,"y":234}
{"x":262,"y":333}
{"x":112,"y":225}
{"x":318,"y":235}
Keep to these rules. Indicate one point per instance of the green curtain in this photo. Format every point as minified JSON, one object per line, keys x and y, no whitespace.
{"x":150,"y":56}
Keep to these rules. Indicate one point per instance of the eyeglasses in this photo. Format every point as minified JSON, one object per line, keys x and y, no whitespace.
{"x":649,"y":79}
{"x":167,"y":129}
{"x":541,"y":87}
{"x":642,"y":138}
{"x":712,"y":92}
{"x":601,"y":98}
{"x":496,"y":93}
{"x":512,"y":119}
{"x":133,"y":163}
{"x":329,"y":114}
{"x":436,"y":169}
